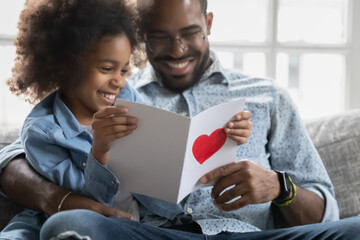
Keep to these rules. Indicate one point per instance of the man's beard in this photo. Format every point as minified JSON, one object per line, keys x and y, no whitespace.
{"x":197,"y":74}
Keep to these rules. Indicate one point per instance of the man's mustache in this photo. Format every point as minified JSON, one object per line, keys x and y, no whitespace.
{"x":169,"y":58}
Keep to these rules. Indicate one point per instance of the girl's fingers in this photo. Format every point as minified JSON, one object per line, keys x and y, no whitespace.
{"x":114,"y":120}
{"x":109,"y":111}
{"x":238,"y":132}
{"x":114,"y":129}
{"x":244,"y":124}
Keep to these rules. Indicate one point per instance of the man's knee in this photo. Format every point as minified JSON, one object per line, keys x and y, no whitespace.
{"x":84,"y":224}
{"x":78,"y":222}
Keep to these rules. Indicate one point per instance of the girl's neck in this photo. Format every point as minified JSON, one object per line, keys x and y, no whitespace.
{"x":82,"y":115}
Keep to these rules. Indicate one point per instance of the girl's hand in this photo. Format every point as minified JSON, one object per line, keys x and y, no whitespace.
{"x":239,"y":129}
{"x":108,"y":125}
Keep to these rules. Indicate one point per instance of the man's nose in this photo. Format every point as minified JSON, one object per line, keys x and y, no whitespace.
{"x":177,"y":48}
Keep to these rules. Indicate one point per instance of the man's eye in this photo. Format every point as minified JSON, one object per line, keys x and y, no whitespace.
{"x":159,"y":40}
{"x":190,"y":35}
{"x":124,"y":72}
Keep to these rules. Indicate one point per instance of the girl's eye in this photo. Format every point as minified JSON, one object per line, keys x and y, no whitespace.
{"x":106,"y":69}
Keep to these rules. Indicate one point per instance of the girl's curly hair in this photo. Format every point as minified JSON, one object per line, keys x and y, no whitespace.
{"x":55,"y":35}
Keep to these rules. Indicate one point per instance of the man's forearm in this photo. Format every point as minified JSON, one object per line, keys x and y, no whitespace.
{"x":306,"y":208}
{"x":26,"y":187}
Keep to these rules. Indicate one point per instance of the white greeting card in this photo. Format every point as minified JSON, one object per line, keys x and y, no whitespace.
{"x":167,"y":153}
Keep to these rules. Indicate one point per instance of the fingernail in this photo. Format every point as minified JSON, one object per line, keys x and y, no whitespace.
{"x":203,"y":180}
{"x":231,"y":124}
{"x":238,"y":117}
{"x":227,"y":130}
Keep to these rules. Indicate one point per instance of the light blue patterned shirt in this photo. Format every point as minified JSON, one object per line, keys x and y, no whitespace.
{"x":279,"y":141}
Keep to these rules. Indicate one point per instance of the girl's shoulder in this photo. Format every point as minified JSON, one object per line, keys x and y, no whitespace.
{"x":42,"y":117}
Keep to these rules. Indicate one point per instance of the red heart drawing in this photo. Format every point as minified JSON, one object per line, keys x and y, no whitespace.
{"x":205,"y":146}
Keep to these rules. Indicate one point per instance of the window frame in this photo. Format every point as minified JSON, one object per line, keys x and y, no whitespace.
{"x":350,"y":50}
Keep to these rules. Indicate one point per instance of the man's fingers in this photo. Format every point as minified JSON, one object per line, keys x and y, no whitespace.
{"x":114,"y":212}
{"x":237,"y":204}
{"x":229,"y":194}
{"x":220,"y":172}
{"x":225,"y":183}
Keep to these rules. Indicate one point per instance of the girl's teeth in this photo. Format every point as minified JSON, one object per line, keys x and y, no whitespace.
{"x":109,"y":96}
{"x":178,"y":65}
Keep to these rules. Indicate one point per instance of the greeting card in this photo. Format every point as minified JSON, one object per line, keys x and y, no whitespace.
{"x":168,"y":153}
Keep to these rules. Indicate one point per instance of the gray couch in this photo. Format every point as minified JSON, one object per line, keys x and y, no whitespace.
{"x":337,"y":138}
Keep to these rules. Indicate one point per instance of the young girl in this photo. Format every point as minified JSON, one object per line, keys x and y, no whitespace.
{"x":73,"y":55}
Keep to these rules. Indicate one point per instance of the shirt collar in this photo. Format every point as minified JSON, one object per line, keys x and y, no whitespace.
{"x":148,"y":75}
{"x":66,"y":119}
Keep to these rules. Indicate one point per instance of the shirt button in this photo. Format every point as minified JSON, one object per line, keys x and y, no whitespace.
{"x":84,"y":164}
{"x":189,"y":210}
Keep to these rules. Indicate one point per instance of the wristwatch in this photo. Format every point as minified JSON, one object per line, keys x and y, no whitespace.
{"x":286,"y":188}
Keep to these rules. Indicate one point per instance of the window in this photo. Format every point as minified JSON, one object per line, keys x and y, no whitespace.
{"x":310,"y":47}
{"x":12,"y":109}
{"x":307,"y":46}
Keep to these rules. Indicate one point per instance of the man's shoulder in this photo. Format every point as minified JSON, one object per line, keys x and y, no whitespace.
{"x":238,"y":78}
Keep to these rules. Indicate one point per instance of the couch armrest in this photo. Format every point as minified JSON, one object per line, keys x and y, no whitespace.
{"x":337,"y":139}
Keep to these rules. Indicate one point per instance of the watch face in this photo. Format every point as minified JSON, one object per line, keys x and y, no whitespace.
{"x":285,"y":186}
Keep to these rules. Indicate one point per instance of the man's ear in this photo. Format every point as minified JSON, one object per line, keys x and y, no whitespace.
{"x":209,"y":19}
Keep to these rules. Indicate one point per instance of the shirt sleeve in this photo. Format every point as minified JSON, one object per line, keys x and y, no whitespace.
{"x":54,"y":162}
{"x":8,"y":153}
{"x":292,"y":150}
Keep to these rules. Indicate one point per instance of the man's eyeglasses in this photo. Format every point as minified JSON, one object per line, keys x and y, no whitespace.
{"x":163,"y":44}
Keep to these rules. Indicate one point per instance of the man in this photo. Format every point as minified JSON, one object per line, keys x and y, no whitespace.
{"x":186,"y":77}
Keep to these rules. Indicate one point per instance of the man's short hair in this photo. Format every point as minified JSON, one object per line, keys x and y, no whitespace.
{"x":203,"y":5}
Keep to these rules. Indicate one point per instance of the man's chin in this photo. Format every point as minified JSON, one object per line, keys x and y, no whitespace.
{"x":178,"y":87}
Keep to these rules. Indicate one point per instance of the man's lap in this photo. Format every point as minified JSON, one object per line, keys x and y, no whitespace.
{"x":87,"y":223}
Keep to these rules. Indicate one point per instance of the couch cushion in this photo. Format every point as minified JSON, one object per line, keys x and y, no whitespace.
{"x":8,"y":135}
{"x":337,"y":139}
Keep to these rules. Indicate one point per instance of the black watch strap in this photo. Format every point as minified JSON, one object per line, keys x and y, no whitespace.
{"x":285,"y":187}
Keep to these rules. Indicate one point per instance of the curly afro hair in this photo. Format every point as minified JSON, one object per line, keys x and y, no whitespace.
{"x":55,"y":35}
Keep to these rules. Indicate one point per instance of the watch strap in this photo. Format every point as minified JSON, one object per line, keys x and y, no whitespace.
{"x":287,"y":188}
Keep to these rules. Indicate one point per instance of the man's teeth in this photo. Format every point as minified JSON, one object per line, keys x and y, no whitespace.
{"x":178,"y":65}
{"x":109,"y":96}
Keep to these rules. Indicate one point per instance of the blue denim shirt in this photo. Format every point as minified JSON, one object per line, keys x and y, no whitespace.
{"x":58,"y":147}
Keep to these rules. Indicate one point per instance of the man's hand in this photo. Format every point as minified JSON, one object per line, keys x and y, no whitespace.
{"x":26,"y":187}
{"x":252,"y":183}
{"x":78,"y":201}
{"x":108,"y":125}
{"x":239,"y":129}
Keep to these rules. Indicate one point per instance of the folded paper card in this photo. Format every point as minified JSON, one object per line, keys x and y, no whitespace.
{"x":167,"y":153}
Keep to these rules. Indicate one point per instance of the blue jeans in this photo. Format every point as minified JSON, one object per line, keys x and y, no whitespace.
{"x":84,"y":224}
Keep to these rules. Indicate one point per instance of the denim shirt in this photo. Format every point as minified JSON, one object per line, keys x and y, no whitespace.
{"x":279,"y":141}
{"x":58,"y":147}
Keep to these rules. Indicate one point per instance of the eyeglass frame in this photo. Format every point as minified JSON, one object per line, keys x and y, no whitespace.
{"x":183,"y":43}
